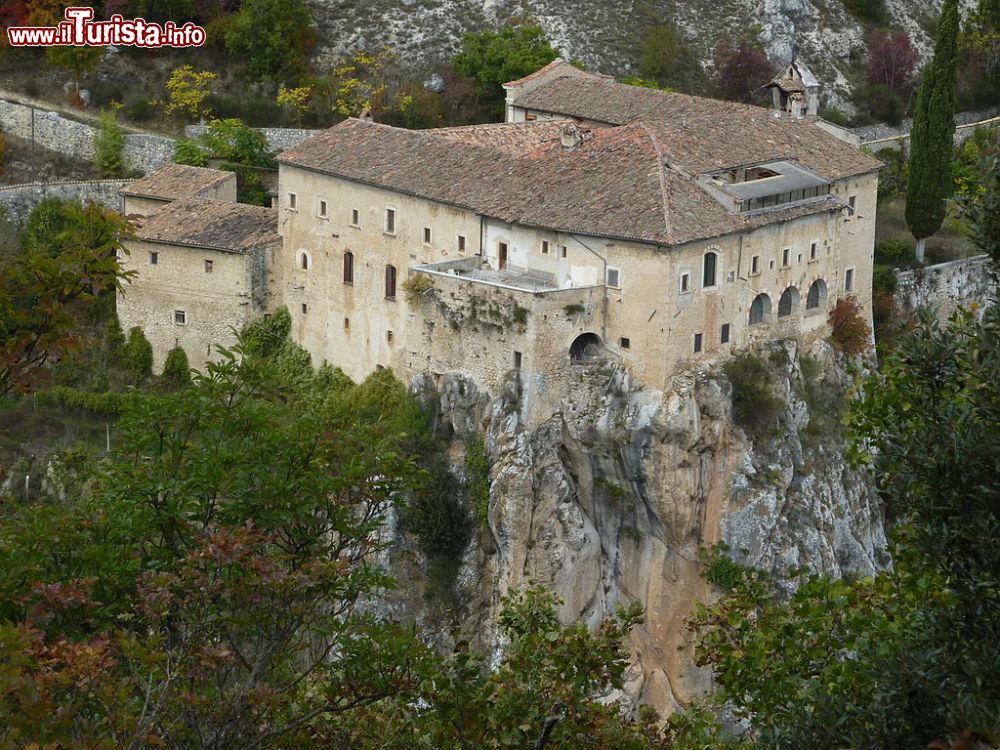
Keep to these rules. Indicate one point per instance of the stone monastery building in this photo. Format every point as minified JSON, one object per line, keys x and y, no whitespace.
{"x":600,"y":222}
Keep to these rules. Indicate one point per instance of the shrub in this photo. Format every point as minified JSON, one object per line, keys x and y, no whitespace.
{"x":141,"y":110}
{"x":850,"y":332}
{"x":138,"y":356}
{"x":721,"y":571}
{"x":477,"y":479}
{"x":896,"y":253}
{"x":873,"y":12}
{"x":109,"y":147}
{"x":755,"y":405}
{"x":417,"y":287}
{"x":188,"y":152}
{"x":114,"y":339}
{"x":176,"y":370}
{"x":438,"y":516}
{"x":266,"y":335}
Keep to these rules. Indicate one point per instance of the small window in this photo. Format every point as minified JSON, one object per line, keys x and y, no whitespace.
{"x":180,"y":317}
{"x":614,"y":277}
{"x":348,"y":268}
{"x":427,"y":235}
{"x":785,"y":255}
{"x":461,"y":243}
{"x":724,"y":334}
{"x":322,"y":209}
{"x":291,"y":201}
{"x":388,"y":336}
{"x":813,"y":250}
{"x":303,"y":260}
{"x":355,"y":219}
{"x":562,"y":251}
{"x":624,"y":343}
{"x":755,"y":265}
{"x":390,"y":221}
{"x":800,"y":258}
{"x":154,"y":259}
{"x":208,"y":266}
{"x":347,"y":324}
{"x":517,"y":360}
{"x":852,"y":203}
{"x":545,"y":247}
{"x":710,"y":264}
{"x":771,"y":265}
{"x":685,"y":282}
{"x":697,"y":343}
{"x":849,"y":280}
{"x":390,"y":282}
{"x":305,"y":308}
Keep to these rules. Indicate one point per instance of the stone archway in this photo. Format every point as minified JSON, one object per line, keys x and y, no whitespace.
{"x":585,"y":348}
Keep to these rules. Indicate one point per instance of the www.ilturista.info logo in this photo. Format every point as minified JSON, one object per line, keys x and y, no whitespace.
{"x":81,"y":30}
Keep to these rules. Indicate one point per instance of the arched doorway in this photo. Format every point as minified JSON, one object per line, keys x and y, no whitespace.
{"x":789,"y":302}
{"x":585,"y":348}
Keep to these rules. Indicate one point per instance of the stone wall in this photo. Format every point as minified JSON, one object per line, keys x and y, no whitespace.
{"x":144,"y":152}
{"x":278,"y":139}
{"x":946,"y":286}
{"x":17,"y":201}
{"x":880,"y":136}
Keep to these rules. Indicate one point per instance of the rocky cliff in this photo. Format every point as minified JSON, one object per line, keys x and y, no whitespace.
{"x":612,"y":499}
{"x":606,"y":36}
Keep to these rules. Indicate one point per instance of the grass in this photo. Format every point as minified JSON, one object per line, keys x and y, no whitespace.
{"x":948,"y":244}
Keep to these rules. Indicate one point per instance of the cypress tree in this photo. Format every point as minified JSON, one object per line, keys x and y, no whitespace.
{"x":932,"y":140}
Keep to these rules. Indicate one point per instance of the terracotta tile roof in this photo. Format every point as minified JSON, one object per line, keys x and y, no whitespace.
{"x":217,"y":225}
{"x":176,"y":182}
{"x":515,"y":138}
{"x":621,"y":182}
{"x":556,"y":66}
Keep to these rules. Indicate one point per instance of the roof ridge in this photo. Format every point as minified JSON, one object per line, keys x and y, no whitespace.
{"x":668,"y":228}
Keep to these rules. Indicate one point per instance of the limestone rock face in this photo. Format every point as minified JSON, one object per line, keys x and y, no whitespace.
{"x":607,"y":36}
{"x":611,"y":500}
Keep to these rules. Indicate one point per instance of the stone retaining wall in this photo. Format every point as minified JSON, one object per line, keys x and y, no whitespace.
{"x":17,"y":201}
{"x":278,"y":139}
{"x":946,"y":286}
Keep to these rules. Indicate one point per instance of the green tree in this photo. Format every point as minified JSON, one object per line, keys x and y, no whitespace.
{"x":273,"y":38}
{"x":109,"y":147}
{"x":138,"y":356}
{"x":176,"y":370}
{"x":79,"y":61}
{"x":492,"y":58}
{"x":906,"y":657}
{"x":932,"y":138}
{"x":667,"y":58}
{"x":68,"y":265}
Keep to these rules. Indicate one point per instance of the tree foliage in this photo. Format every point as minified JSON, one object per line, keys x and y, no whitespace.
{"x":273,"y":38}
{"x":68,"y":263}
{"x":109,"y":147}
{"x":741,"y":72}
{"x":932,"y":136}
{"x":492,"y":58}
{"x":188,"y":90}
{"x":666,"y":58}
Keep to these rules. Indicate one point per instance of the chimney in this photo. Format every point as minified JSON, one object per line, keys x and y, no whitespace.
{"x":570,"y":136}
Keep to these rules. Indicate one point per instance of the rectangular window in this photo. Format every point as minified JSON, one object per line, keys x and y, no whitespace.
{"x":355,"y":219}
{"x":180,"y":317}
{"x":517,"y":360}
{"x":562,"y":251}
{"x":347,"y":324}
{"x":348,"y":267}
{"x":755,"y":265}
{"x":625,"y":343}
{"x":614,"y":277}
{"x":388,"y":336}
{"x":427,"y":235}
{"x":545,"y":247}
{"x":208,"y":266}
{"x":849,"y":280}
{"x":154,"y":259}
{"x":724,"y":335}
{"x":461,"y":243}
{"x":291,"y":201}
{"x":390,"y":221}
{"x":322,"y":209}
{"x":685,"y":282}
{"x":305,"y":308}
{"x":813,"y":250}
{"x":852,"y":203}
{"x":697,"y":343}
{"x":786,"y":257}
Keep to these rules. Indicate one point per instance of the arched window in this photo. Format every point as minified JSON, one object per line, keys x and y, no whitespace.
{"x":304,"y":260}
{"x":390,"y":282}
{"x":348,"y":268}
{"x":817,"y":295}
{"x":760,"y":309}
{"x":711,"y":262}
{"x":789,"y":302}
